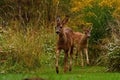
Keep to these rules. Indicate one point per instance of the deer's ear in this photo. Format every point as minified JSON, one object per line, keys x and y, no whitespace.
{"x":58,"y":19}
{"x":83,"y":27}
{"x":91,"y":25}
{"x":90,"y":28}
{"x":65,"y":20}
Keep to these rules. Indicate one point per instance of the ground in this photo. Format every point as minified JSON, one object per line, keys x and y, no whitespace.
{"x":78,"y":73}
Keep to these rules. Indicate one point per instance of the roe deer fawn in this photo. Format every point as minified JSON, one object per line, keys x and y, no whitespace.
{"x":81,"y":41}
{"x":65,"y":42}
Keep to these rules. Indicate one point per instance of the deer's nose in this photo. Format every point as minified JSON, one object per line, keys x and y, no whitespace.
{"x":88,"y":35}
{"x":57,"y":32}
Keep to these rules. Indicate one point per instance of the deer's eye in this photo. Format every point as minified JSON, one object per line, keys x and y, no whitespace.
{"x":61,"y":27}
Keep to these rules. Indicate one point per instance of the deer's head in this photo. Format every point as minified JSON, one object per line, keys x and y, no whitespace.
{"x":87,"y":31}
{"x":60,"y":24}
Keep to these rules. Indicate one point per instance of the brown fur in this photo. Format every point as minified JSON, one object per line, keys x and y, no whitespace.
{"x":65,"y":42}
{"x":77,"y":37}
{"x":81,"y":41}
{"x":65,"y":39}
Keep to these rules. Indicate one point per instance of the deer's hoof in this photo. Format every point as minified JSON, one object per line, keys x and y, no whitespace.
{"x":88,"y":63}
{"x":57,"y":71}
{"x":70,"y":69}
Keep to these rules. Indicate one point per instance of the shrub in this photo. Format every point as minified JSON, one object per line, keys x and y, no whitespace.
{"x":114,"y":48}
{"x":26,"y":52}
{"x":114,"y":57}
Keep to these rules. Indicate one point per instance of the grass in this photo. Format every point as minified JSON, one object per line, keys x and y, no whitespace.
{"x":78,"y":73}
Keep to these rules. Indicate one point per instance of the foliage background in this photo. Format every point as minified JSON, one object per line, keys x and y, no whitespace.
{"x":28,"y":39}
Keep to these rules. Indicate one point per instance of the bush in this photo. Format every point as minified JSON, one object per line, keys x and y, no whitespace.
{"x":114,"y":58}
{"x":114,"y":48}
{"x":99,"y":16}
{"x":25,"y":52}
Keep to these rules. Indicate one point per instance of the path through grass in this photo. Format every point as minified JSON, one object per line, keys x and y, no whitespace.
{"x":78,"y":73}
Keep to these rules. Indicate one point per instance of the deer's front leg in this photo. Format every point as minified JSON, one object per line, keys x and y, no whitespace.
{"x":57,"y":58}
{"x":86,"y":53}
{"x":81,"y":57}
{"x":66,"y":61}
{"x":76,"y":57}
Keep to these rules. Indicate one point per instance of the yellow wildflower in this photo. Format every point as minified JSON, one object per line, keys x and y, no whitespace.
{"x":116,"y":13}
{"x":91,"y":14}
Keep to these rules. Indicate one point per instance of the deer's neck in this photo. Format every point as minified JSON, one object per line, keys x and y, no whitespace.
{"x":84,"y":39}
{"x":61,"y":38}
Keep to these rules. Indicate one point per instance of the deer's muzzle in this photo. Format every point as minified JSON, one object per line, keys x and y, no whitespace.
{"x":57,"y":32}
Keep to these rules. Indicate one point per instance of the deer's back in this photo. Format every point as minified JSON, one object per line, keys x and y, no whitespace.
{"x":79,"y":40}
{"x":68,"y":32}
{"x":67,"y":41}
{"x":77,"y":37}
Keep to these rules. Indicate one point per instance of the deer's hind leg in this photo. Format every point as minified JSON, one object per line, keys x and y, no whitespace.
{"x":76,"y":57}
{"x":86,"y":53}
{"x":71,"y":57}
{"x":66,"y":61}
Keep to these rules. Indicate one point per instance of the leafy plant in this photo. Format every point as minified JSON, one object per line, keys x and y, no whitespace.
{"x":114,"y":48}
{"x":24,"y":52}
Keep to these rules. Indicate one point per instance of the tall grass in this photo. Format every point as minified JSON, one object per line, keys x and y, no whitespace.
{"x":113,"y":47}
{"x":24,"y":52}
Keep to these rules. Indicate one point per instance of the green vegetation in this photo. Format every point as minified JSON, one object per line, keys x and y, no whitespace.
{"x":28,"y":39}
{"x":78,"y":73}
{"x":25,"y":52}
